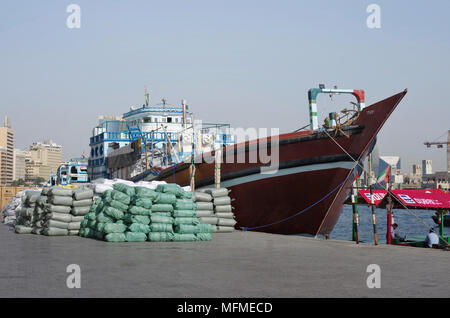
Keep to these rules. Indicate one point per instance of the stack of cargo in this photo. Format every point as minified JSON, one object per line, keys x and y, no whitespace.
{"x":57,"y":212}
{"x":11,"y":211}
{"x":82,"y":202}
{"x":214,"y":207}
{"x":128,"y":213}
{"x":205,"y":208}
{"x":161,"y":226}
{"x":137,"y":214}
{"x":186,"y":224}
{"x":38,"y":218}
{"x":24,"y":221}
{"x":223,"y":210}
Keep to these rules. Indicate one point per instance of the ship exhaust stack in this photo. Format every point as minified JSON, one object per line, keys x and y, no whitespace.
{"x":312,"y":96}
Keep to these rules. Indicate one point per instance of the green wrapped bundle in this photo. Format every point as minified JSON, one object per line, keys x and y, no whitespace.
{"x":166,"y":214}
{"x":135,"y":237}
{"x":113,"y":212}
{"x":136,"y":210}
{"x":100,"y":226}
{"x":145,"y":203}
{"x":142,"y":192}
{"x":90,"y":216}
{"x":204,"y":228}
{"x":142,"y":219}
{"x":161,"y":227}
{"x":204,"y":236}
{"x":84,"y":223}
{"x":184,"y":213}
{"x":162,"y":208}
{"x":92,"y":224}
{"x":185,"y":205}
{"x":118,"y":205}
{"x":128,"y":190}
{"x":171,"y":188}
{"x":114,"y":228}
{"x":85,"y":232}
{"x":106,"y":195}
{"x":187,"y":195}
{"x":161,"y":219}
{"x":121,"y":197}
{"x":192,"y":221}
{"x":185,"y":229}
{"x":115,"y":237}
{"x":160,"y":236}
{"x":165,"y":198}
{"x":184,"y":237}
{"x":101,"y":217}
{"x":137,"y":227}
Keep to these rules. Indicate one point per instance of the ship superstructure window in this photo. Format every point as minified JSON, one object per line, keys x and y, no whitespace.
{"x":73,"y":169}
{"x":147,"y":119}
{"x":169,"y":119}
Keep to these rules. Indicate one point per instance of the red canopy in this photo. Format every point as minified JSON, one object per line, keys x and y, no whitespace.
{"x":378,"y":195}
{"x":423,"y":198}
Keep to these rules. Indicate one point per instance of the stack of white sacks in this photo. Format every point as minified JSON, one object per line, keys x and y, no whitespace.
{"x":214,"y":207}
{"x":26,"y":217}
{"x":11,"y":211}
{"x":65,"y":210}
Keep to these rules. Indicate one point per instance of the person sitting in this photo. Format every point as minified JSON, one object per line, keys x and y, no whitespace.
{"x":396,"y":235}
{"x":432,"y":240}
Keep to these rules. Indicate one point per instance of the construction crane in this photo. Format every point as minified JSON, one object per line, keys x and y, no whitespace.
{"x":440,"y":144}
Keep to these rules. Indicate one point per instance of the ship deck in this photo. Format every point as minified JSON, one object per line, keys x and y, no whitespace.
{"x":248,"y":265}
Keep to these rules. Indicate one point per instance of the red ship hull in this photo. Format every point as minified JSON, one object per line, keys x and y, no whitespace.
{"x":306,"y":194}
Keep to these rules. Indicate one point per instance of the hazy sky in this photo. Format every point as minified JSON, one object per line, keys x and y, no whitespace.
{"x":247,"y":63}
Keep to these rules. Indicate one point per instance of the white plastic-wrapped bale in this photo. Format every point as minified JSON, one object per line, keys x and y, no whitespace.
{"x":39,"y":215}
{"x":223,"y":210}
{"x":11,"y":211}
{"x":205,"y":207}
{"x":24,"y":222}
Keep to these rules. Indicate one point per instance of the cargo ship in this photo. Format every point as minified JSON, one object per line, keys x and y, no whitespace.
{"x":316,"y":167}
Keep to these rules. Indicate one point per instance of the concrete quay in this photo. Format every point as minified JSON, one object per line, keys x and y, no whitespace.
{"x":239,"y":264}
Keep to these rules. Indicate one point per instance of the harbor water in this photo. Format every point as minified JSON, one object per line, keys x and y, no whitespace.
{"x":408,"y":224}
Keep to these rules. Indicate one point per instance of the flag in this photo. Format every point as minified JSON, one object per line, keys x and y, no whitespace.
{"x":385,"y":175}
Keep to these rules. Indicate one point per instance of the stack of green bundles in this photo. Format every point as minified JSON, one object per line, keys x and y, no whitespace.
{"x":186,"y":224}
{"x":136,"y":214}
{"x":105,"y":220}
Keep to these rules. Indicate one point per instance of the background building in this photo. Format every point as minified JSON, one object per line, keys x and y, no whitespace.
{"x":45,"y":158}
{"x":20,"y":159}
{"x":427,"y":167}
{"x":7,"y":153}
{"x":417,"y":170}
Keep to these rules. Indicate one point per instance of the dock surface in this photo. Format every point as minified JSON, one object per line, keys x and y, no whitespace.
{"x":239,"y":264}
